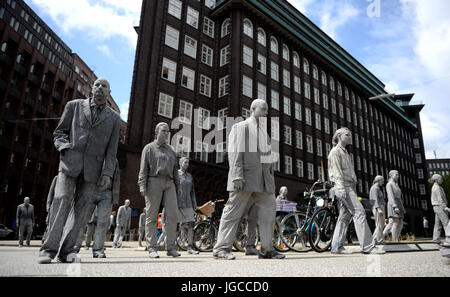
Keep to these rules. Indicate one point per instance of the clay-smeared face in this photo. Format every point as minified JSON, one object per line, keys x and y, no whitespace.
{"x":127,"y":203}
{"x":163,"y":134}
{"x":185,"y":164}
{"x":101,"y":90}
{"x":346,"y":138}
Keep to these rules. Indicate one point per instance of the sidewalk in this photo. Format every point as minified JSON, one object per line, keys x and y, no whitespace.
{"x":418,"y":245}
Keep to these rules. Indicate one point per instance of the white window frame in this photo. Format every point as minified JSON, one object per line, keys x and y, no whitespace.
{"x":190,"y":75}
{"x":166,"y":106}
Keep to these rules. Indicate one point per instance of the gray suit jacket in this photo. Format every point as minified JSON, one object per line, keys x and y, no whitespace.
{"x":246,"y":162}
{"x":376,"y":196}
{"x":24,"y":214}
{"x":124,"y":217}
{"x":85,"y":145}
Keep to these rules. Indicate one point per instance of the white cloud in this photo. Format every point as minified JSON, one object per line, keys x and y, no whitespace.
{"x":409,"y":51}
{"x":124,"y":110}
{"x":100,"y":20}
{"x":302,"y":5}
{"x":335,"y":15}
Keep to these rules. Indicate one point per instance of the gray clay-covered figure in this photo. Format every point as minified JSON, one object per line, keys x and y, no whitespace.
{"x":141,"y":228}
{"x":25,"y":221}
{"x":158,"y":183}
{"x":283,"y":193}
{"x":395,"y":209}
{"x":440,"y":208}
{"x":250,"y":181}
{"x":343,"y":176}
{"x":87,"y":137}
{"x":378,"y":203}
{"x":123,"y":224}
{"x":187,"y":204}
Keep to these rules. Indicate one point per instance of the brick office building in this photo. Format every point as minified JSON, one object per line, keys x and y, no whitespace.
{"x":37,"y":79}
{"x":197,"y":59}
{"x":438,"y":166}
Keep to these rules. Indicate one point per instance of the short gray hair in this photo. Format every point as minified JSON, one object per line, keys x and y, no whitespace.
{"x":159,"y":126}
{"x":434,"y":178}
{"x":392,"y":172}
{"x":256,"y":103}
{"x":377,"y":179}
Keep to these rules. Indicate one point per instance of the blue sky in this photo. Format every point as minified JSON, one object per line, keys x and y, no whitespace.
{"x":405,"y":43}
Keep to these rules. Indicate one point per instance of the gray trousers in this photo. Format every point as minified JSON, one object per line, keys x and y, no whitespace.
{"x":63,"y":234}
{"x":25,"y":227}
{"x":119,"y":233}
{"x":187,"y":229}
{"x":440,"y":220}
{"x":141,"y":235}
{"x":90,"y":233}
{"x":352,"y":207}
{"x":394,"y":226}
{"x":379,"y":225}
{"x":161,"y":190}
{"x":235,"y":209}
{"x":97,"y":231}
{"x":251,"y":226}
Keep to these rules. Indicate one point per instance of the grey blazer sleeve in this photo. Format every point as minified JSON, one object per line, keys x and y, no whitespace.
{"x":144,"y":170}
{"x":111,"y":151}
{"x":51,"y":194}
{"x":61,"y":136}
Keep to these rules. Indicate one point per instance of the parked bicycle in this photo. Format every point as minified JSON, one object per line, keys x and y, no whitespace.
{"x":295,"y":227}
{"x":323,"y":222}
{"x":205,"y":232}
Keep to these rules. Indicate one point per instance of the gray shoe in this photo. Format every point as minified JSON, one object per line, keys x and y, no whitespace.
{"x":251,"y":251}
{"x":100,"y":255}
{"x":342,"y":251}
{"x":173,"y":253}
{"x":192,"y":251}
{"x":44,"y":260}
{"x":271,"y":255}
{"x":376,"y":251}
{"x":153,"y":254}
{"x":222,"y":255}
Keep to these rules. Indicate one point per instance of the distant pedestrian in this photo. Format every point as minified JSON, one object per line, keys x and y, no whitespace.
{"x":25,"y":221}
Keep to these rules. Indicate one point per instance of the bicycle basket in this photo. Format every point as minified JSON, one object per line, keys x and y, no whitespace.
{"x":207,"y":209}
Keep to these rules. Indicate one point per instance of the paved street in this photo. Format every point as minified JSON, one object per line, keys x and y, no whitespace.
{"x":130,"y":262}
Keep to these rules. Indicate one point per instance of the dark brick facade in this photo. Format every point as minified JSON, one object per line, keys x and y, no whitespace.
{"x":383,"y":130}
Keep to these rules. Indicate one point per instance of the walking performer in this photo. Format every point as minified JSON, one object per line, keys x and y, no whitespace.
{"x":342,"y":174}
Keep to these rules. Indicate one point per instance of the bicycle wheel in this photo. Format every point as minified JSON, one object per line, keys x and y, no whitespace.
{"x":182,"y":241}
{"x":241,"y":236}
{"x":205,"y":235}
{"x":321,"y":230}
{"x":278,"y":243}
{"x":293,"y":232}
